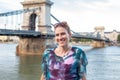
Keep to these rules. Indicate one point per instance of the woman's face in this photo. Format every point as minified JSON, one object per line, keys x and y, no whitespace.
{"x":62,"y":36}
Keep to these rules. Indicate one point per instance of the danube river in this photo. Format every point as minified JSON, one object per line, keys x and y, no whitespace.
{"x":104,"y":63}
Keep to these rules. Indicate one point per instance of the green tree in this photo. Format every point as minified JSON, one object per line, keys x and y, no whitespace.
{"x":118,"y":38}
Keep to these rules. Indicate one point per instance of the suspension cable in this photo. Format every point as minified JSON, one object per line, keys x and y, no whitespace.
{"x":16,"y":12}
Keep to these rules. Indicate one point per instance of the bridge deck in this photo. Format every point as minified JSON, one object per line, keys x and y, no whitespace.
{"x":24,"y":33}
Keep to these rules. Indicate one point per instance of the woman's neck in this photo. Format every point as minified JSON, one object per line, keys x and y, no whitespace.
{"x":61,"y":51}
{"x":63,"y":48}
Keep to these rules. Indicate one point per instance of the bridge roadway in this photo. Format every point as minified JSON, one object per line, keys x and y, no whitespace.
{"x":24,"y":33}
{"x":36,"y":34}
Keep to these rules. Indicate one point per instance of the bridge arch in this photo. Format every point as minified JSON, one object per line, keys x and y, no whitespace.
{"x":38,"y":18}
{"x":41,"y":9}
{"x":32,"y":21}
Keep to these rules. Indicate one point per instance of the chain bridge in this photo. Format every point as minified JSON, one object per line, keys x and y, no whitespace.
{"x":33,"y":26}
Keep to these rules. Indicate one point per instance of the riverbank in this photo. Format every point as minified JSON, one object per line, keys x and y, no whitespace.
{"x":118,"y":44}
{"x":80,"y":43}
{"x":51,"y":46}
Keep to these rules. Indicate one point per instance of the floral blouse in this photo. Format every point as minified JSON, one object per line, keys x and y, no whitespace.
{"x":69,"y":67}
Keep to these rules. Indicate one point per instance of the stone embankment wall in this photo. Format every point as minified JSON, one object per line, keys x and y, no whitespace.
{"x":80,"y":43}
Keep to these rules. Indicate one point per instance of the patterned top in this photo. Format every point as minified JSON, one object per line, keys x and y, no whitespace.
{"x":69,"y":67}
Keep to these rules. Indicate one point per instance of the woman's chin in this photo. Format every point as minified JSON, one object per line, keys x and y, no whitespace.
{"x":62,"y":45}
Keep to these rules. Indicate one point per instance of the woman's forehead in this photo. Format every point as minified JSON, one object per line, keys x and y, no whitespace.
{"x":59,"y":29}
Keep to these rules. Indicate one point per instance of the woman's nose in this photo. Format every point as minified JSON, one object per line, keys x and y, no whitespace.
{"x":60,"y":37}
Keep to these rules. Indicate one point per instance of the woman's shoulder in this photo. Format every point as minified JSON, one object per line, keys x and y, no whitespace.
{"x":47,"y":52}
{"x":80,"y":54}
{"x":77,"y":49}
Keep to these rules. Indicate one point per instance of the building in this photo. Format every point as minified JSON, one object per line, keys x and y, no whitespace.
{"x":113,"y":35}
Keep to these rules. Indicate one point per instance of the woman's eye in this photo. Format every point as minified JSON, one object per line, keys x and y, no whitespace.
{"x":56,"y":34}
{"x":62,"y":33}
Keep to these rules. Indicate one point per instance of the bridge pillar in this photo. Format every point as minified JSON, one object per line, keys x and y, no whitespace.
{"x":30,"y":46}
{"x":38,"y":20}
{"x":98,"y":44}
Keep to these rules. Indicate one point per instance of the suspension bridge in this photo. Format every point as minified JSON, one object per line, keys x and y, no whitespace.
{"x":33,"y":33}
{"x":33,"y":25}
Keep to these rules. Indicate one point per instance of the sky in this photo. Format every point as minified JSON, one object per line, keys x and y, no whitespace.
{"x":81,"y":15}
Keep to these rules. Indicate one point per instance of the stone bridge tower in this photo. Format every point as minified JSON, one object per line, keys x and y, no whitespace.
{"x":38,"y":20}
{"x":99,"y":33}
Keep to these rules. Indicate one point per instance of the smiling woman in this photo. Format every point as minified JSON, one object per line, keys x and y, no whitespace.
{"x":64,"y":62}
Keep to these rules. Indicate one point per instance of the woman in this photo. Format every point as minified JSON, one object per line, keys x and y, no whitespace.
{"x":64,"y":62}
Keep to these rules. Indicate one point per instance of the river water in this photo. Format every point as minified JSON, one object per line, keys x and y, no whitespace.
{"x":104,"y":63}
